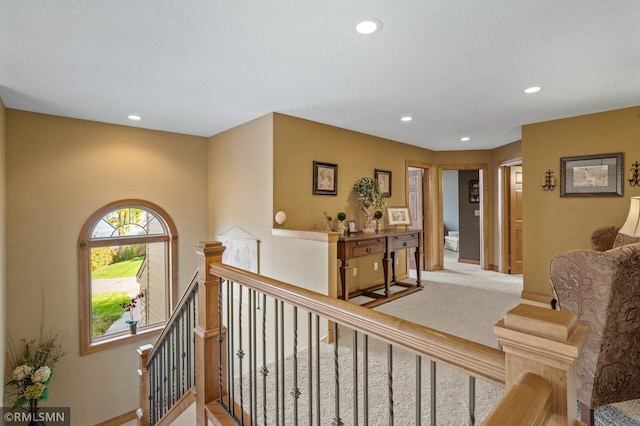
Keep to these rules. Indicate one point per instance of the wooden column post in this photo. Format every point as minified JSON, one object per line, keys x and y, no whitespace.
{"x":143,"y":410}
{"x":207,"y":331}
{"x":546,"y":343}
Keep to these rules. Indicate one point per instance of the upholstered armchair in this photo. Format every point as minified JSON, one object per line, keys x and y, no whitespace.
{"x":608,"y":237}
{"x":603,"y":289}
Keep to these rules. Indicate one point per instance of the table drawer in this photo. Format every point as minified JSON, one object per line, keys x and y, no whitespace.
{"x":365,"y":247}
{"x":404,"y":241}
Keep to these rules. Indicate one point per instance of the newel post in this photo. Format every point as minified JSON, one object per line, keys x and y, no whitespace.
{"x":545,"y":343}
{"x":145,"y":391}
{"x":207,"y":332}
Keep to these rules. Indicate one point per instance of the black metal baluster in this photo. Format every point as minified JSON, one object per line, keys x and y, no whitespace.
{"x":240,"y":354}
{"x":152,"y":392}
{"x":220,"y":339}
{"x":162,"y":376}
{"x":251,"y":354}
{"x":188,"y":347}
{"x":264,"y":371}
{"x":295,"y":392}
{"x":310,"y":365}
{"x":355,"y":378}
{"x":433,"y":393}
{"x":418,"y":390}
{"x":282,"y":359}
{"x":317,"y":371}
{"x":254,"y":352}
{"x":231,"y":357}
{"x":365,"y":378}
{"x":472,"y":401}
{"x":172,"y":382}
{"x":337,"y":421}
{"x":277,"y":362}
{"x":390,"y":381}
{"x":192,"y":341}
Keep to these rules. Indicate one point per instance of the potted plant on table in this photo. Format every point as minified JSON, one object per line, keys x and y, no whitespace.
{"x":129,"y":307}
{"x":378,"y":216}
{"x":341,"y":217}
{"x":368,"y":196}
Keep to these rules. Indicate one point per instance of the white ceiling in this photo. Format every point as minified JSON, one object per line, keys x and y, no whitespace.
{"x":203,"y":66}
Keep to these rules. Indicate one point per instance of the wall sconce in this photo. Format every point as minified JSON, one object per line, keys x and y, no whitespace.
{"x":548,"y":181}
{"x":634,"y":174}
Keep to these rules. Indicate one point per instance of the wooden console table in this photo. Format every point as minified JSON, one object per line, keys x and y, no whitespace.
{"x":387,"y":243}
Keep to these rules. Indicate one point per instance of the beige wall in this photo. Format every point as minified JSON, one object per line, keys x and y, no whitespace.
{"x":3,"y":239}
{"x":298,"y":142}
{"x":59,"y":171}
{"x":553,"y":224}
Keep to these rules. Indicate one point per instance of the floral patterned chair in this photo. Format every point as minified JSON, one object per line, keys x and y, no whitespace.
{"x":603,"y":289}
{"x":608,"y":237}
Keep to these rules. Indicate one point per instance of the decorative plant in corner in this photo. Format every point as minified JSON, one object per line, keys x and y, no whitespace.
{"x":32,"y":368}
{"x":368,"y":195}
{"x":128,"y":307}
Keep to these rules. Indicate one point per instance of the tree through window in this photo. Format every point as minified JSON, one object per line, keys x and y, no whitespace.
{"x":127,"y":256}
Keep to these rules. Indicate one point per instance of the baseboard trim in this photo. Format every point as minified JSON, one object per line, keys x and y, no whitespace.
{"x":121,"y":419}
{"x":471,"y":261}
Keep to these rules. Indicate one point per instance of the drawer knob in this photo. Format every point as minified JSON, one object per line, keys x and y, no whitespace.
{"x":404,"y":244}
{"x":368,"y":249}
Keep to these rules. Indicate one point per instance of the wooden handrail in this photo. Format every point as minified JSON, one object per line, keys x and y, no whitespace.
{"x":473,"y":358}
{"x":528,"y":402}
{"x":173,"y":316}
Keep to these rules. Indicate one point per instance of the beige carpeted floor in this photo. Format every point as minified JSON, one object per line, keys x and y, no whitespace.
{"x":466,"y":301}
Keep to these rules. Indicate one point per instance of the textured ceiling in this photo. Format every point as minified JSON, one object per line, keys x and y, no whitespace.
{"x":201,"y":67}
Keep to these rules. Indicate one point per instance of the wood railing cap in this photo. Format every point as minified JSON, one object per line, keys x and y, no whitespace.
{"x":556,"y":325}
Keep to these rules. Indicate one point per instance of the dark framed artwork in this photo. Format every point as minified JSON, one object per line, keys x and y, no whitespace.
{"x":325,"y":178}
{"x":592,"y":175}
{"x":474,"y":191}
{"x":384,"y":181}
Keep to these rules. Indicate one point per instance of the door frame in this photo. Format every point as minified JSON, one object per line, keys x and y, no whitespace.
{"x":484,"y":211}
{"x":427,"y":211}
{"x":504,"y":206}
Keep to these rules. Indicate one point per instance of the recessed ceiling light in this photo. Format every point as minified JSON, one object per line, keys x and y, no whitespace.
{"x":134,"y":117}
{"x":532,"y":89}
{"x":465,"y":139}
{"x":406,"y":118}
{"x":369,"y":26}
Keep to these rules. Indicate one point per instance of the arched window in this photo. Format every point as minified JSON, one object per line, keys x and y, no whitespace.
{"x":127,"y":253}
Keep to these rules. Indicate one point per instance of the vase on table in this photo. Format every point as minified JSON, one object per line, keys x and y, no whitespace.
{"x":33,"y":413}
{"x":368,"y":224}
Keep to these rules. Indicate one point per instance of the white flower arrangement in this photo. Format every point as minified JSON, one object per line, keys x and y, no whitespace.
{"x":32,"y":369}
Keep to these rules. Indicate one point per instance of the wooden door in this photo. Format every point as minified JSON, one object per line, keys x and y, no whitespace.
{"x":415,"y":208}
{"x":516,"y":261}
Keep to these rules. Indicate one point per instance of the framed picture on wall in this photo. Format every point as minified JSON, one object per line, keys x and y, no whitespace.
{"x":474,"y":191}
{"x":384,"y":181}
{"x":592,"y":175}
{"x":325,"y":178}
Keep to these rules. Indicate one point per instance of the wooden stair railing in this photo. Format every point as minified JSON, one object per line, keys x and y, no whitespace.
{"x":535,"y":340}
